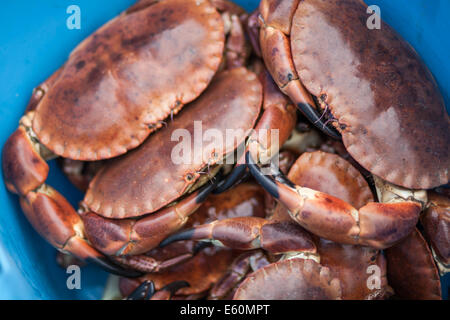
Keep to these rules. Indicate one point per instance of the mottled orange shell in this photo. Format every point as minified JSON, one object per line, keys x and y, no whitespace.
{"x":123,"y":80}
{"x":351,"y":264}
{"x":331,"y":174}
{"x":411,"y":269}
{"x":295,"y":279}
{"x":148,"y":179}
{"x":436,"y":225}
{"x":387,"y":104}
{"x":211,"y":264}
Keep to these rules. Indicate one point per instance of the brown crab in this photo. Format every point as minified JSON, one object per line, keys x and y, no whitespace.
{"x":116,"y":88}
{"x":124,"y":190}
{"x":137,"y":200}
{"x":376,"y":92}
{"x":210,"y":264}
{"x":411,"y":270}
{"x":316,"y":268}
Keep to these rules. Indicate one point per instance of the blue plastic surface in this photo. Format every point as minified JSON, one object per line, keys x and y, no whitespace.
{"x":34,"y":42}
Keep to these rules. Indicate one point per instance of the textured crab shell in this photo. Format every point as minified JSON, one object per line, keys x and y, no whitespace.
{"x":207,"y":267}
{"x":386,"y":102}
{"x":123,"y":80}
{"x":333,"y":175}
{"x":411,"y":270}
{"x":354,"y":265}
{"x":295,"y":279}
{"x":436,"y":225}
{"x":148,"y":179}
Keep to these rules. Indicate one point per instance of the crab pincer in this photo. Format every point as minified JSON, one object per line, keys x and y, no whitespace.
{"x":146,"y":291}
{"x":116,"y":88}
{"x":207,"y":263}
{"x":344,"y":265}
{"x":378,"y":95}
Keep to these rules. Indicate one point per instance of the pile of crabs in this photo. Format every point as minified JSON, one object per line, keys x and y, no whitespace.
{"x":356,"y":205}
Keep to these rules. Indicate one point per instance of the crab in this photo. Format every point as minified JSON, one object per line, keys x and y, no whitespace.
{"x":117,"y":206}
{"x":317,"y":268}
{"x":376,"y":94}
{"x":424,"y":253}
{"x":421,"y":281}
{"x":146,"y":291}
{"x":203,"y":270}
{"x":117,"y":87}
{"x":435,"y":222}
{"x":138,"y":199}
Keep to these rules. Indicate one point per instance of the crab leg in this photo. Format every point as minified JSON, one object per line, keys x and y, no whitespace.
{"x":413,"y":254}
{"x":125,"y":237}
{"x":170,"y":290}
{"x":48,"y":211}
{"x":248,"y":233}
{"x":148,"y":264}
{"x":277,"y":54}
{"x":379,"y":225}
{"x":252,"y":28}
{"x":436,"y":223}
{"x":277,"y":109}
{"x":146,"y":291}
{"x":239,"y":269}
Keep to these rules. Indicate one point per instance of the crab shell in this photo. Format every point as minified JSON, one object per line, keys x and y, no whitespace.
{"x":207,"y":267}
{"x":385,"y":101}
{"x":123,"y":80}
{"x":295,"y":279}
{"x":412,"y":271}
{"x":342,"y":272}
{"x":332,"y":174}
{"x":436,"y":225}
{"x":147,"y":178}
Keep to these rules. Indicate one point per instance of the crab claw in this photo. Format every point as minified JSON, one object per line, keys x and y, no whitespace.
{"x":55,"y":220}
{"x":413,"y":254}
{"x":236,"y":273}
{"x":148,"y":264}
{"x":237,"y":174}
{"x":146,"y":291}
{"x":436,"y":223}
{"x":130,"y":237}
{"x":23,"y":167}
{"x":379,"y":225}
{"x":248,"y":233}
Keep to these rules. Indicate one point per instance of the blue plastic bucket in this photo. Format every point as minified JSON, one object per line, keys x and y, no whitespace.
{"x":34,"y":42}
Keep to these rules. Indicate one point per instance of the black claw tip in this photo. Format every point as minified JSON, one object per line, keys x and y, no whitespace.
{"x":113,"y":268}
{"x":311,"y":113}
{"x":183,"y":235}
{"x":145,"y":291}
{"x":175,"y":286}
{"x":206,"y":190}
{"x":230,"y":180}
